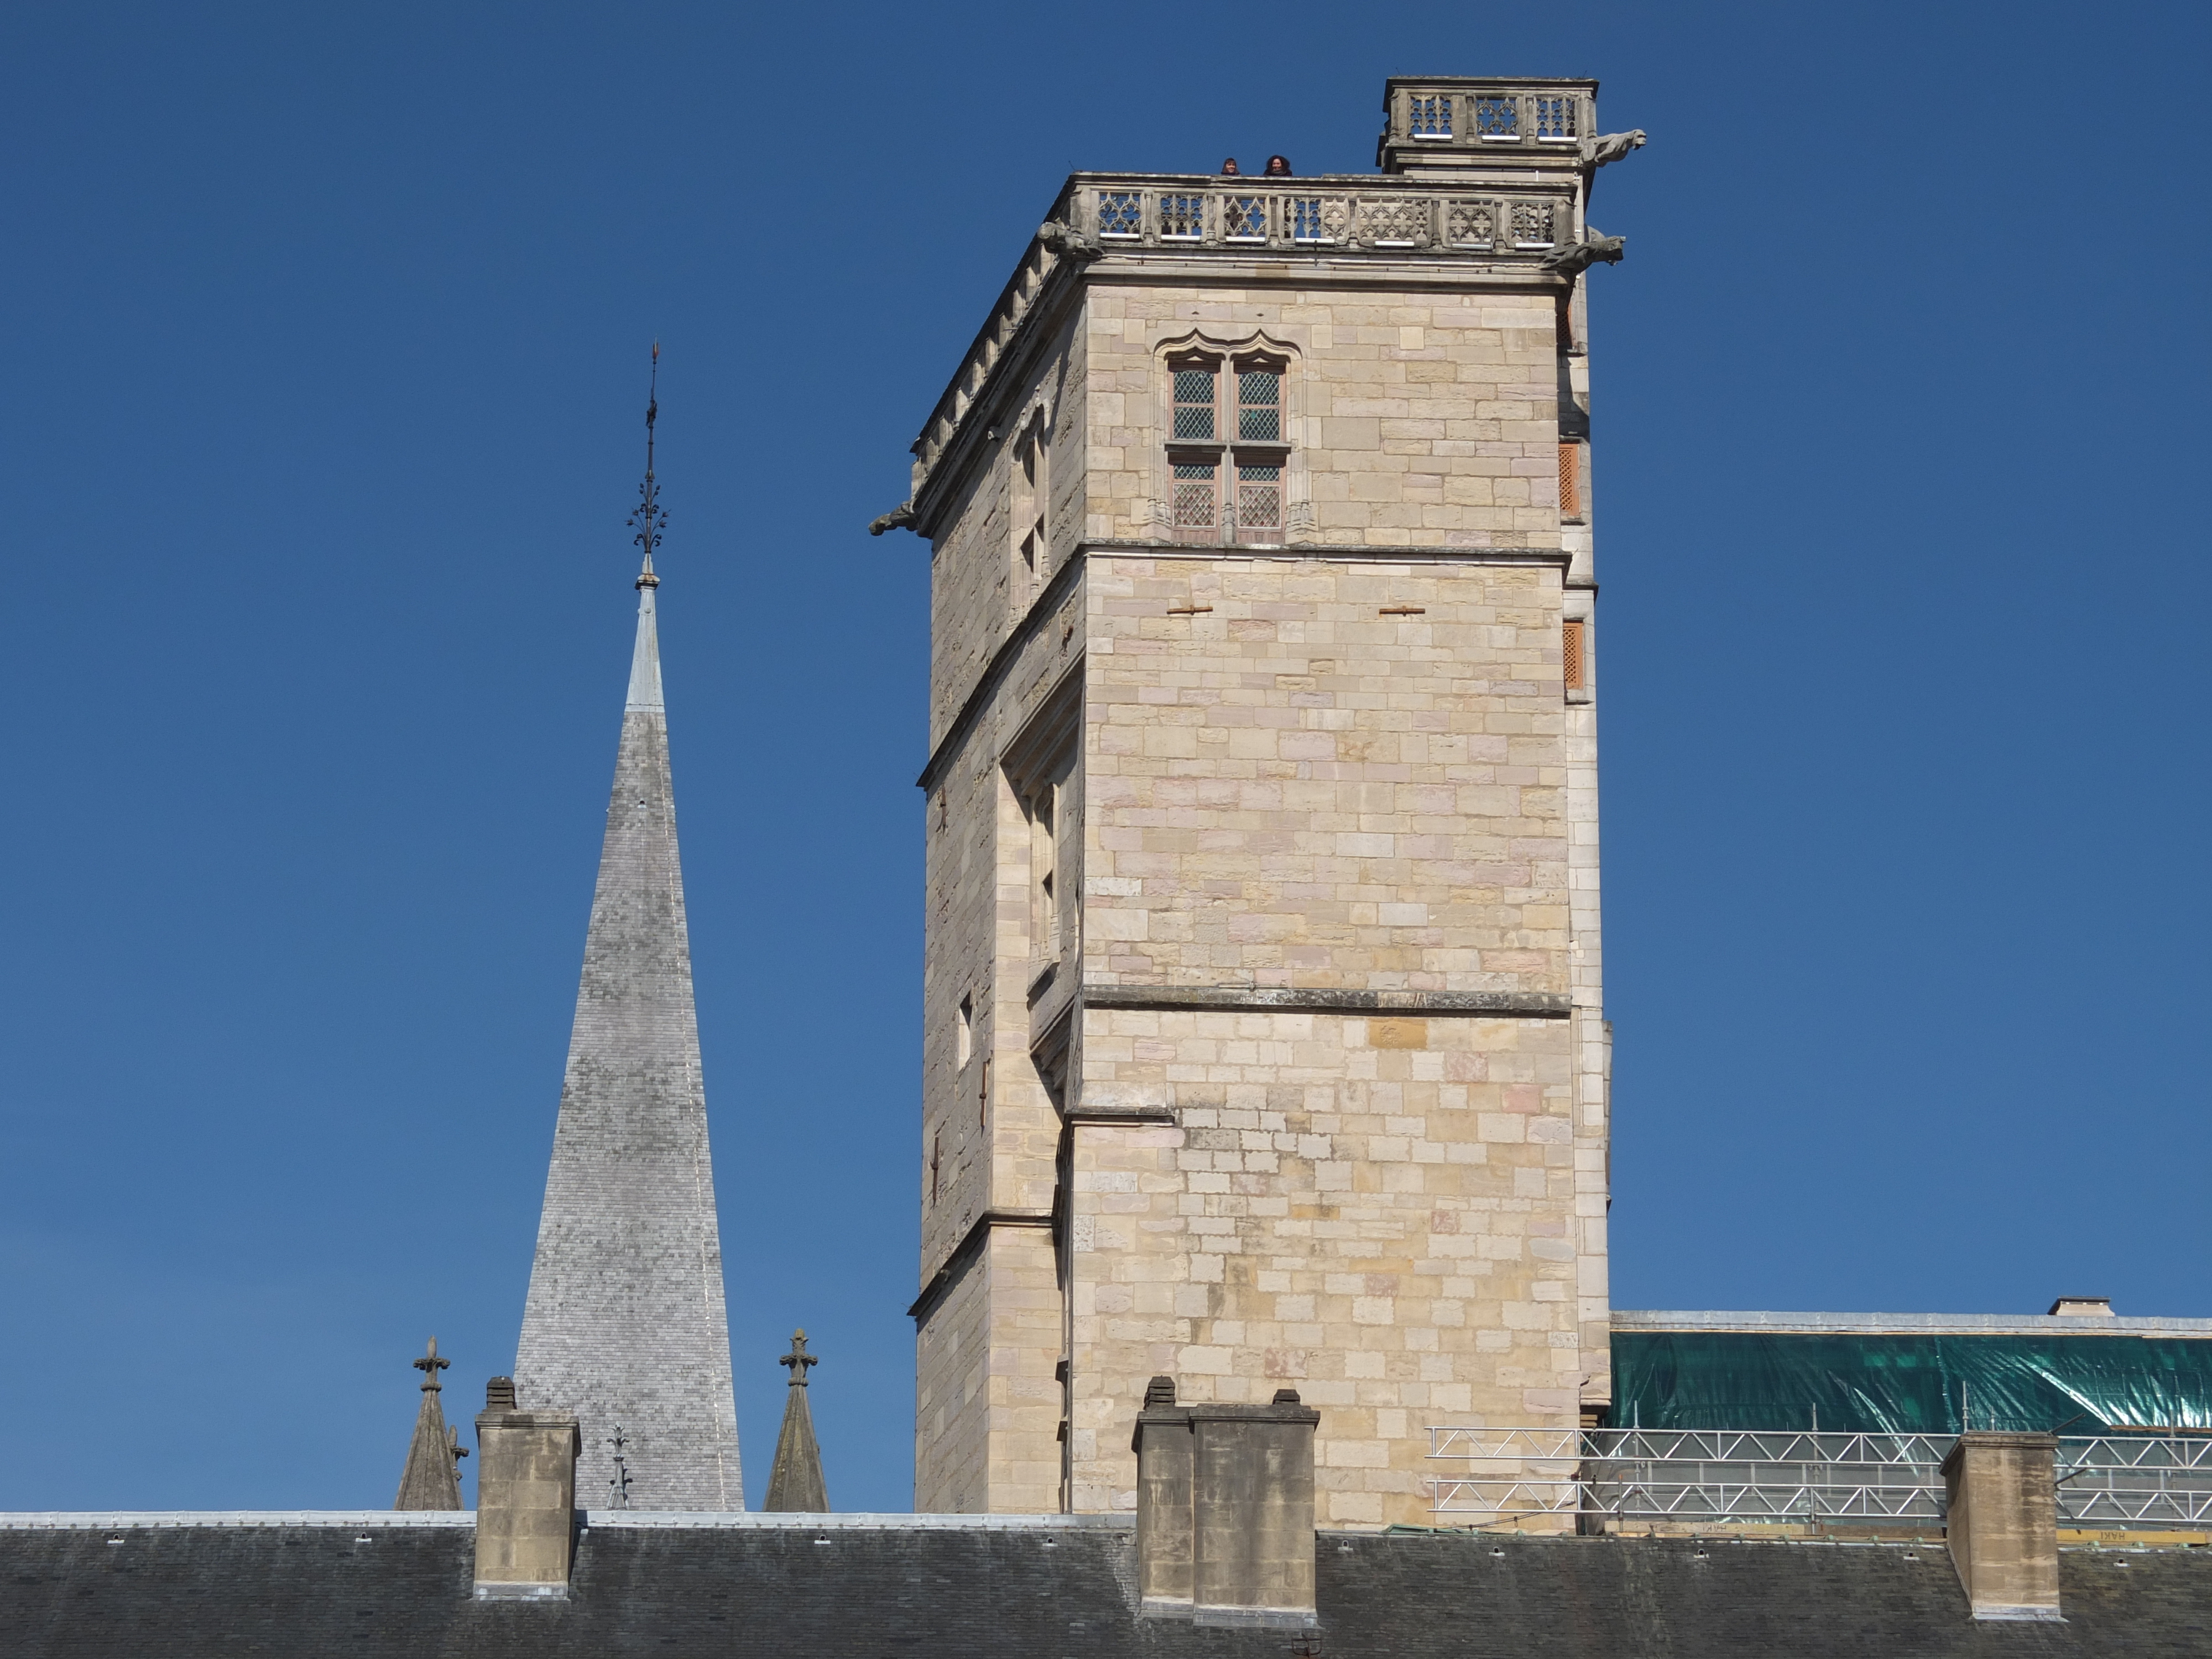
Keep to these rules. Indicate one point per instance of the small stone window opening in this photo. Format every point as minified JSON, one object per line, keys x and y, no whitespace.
{"x":1044,"y":860}
{"x":964,"y":1042}
{"x":936,"y":1162}
{"x":1571,"y":481}
{"x":1575,"y":654}
{"x":1027,"y":506}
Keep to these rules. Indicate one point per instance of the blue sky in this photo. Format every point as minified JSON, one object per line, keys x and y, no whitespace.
{"x":321,"y":363}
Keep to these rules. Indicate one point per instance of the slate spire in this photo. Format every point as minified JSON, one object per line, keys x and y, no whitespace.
{"x":431,"y":1479}
{"x":795,"y":1483}
{"x":625,"y":1324}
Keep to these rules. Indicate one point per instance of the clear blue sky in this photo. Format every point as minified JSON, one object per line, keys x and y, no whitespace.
{"x":321,"y":362}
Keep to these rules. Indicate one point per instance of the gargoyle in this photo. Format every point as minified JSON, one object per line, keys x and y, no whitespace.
{"x":1610,"y":147}
{"x":1066,"y":241}
{"x":1594,"y":250}
{"x":899,"y":518}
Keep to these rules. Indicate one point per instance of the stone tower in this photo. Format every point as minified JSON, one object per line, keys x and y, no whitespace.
{"x":626,"y":1324}
{"x":1265,"y":1039}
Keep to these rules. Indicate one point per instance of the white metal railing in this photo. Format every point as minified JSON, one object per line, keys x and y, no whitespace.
{"x":1762,"y":1475}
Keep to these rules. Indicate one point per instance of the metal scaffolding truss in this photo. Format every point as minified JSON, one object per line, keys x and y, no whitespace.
{"x":1754,"y":1476}
{"x":2122,"y":1480}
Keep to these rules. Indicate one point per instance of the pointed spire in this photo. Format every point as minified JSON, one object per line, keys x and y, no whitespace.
{"x":625,"y":1325}
{"x":795,"y":1485}
{"x":431,"y":1479}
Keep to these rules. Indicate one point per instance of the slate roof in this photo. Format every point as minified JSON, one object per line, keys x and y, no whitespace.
{"x":932,"y":1588}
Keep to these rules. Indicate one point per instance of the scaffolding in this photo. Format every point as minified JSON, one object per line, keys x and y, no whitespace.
{"x":1790,"y":1477}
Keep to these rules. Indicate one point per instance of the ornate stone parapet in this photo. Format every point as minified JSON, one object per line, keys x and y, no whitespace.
{"x":1457,"y":121}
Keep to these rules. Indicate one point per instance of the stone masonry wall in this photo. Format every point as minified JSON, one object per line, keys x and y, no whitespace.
{"x":1375,"y":1212}
{"x":1298,"y":787}
{"x":1419,"y":419}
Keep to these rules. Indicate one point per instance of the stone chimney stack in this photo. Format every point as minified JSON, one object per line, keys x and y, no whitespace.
{"x":1225,"y":1510}
{"x":525,"y":1498}
{"x":2002,"y":1523}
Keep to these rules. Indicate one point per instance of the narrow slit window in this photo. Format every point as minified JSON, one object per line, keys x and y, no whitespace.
{"x":1571,"y":481}
{"x":965,"y":1044}
{"x":1574,"y":655}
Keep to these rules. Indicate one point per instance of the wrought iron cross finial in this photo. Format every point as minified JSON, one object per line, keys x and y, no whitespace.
{"x":621,"y":1480}
{"x":648,"y":519}
{"x":798,"y":1359}
{"x":429,"y":1365}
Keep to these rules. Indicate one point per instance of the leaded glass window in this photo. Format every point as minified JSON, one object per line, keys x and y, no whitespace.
{"x":1194,"y":495}
{"x":1259,"y":502}
{"x":1193,"y":403}
{"x":1226,"y":450}
{"x":1259,"y":405}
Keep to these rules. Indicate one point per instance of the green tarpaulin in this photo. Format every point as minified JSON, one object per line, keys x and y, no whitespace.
{"x":1908,"y":1384}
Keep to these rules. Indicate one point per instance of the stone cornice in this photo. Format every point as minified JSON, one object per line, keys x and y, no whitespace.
{"x":971,"y":1243}
{"x":1478,"y":1005}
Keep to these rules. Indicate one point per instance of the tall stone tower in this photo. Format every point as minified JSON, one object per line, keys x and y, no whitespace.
{"x":626,"y":1324}
{"x":1266,"y":1044}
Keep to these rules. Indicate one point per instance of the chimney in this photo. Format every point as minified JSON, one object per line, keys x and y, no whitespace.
{"x":525,"y":1498}
{"x":2002,"y":1522}
{"x":1225,"y":1510}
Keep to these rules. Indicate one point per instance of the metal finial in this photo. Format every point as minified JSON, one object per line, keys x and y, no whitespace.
{"x":648,"y":519}
{"x":798,"y":1359}
{"x":429,"y":1365}
{"x":621,"y":1480}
